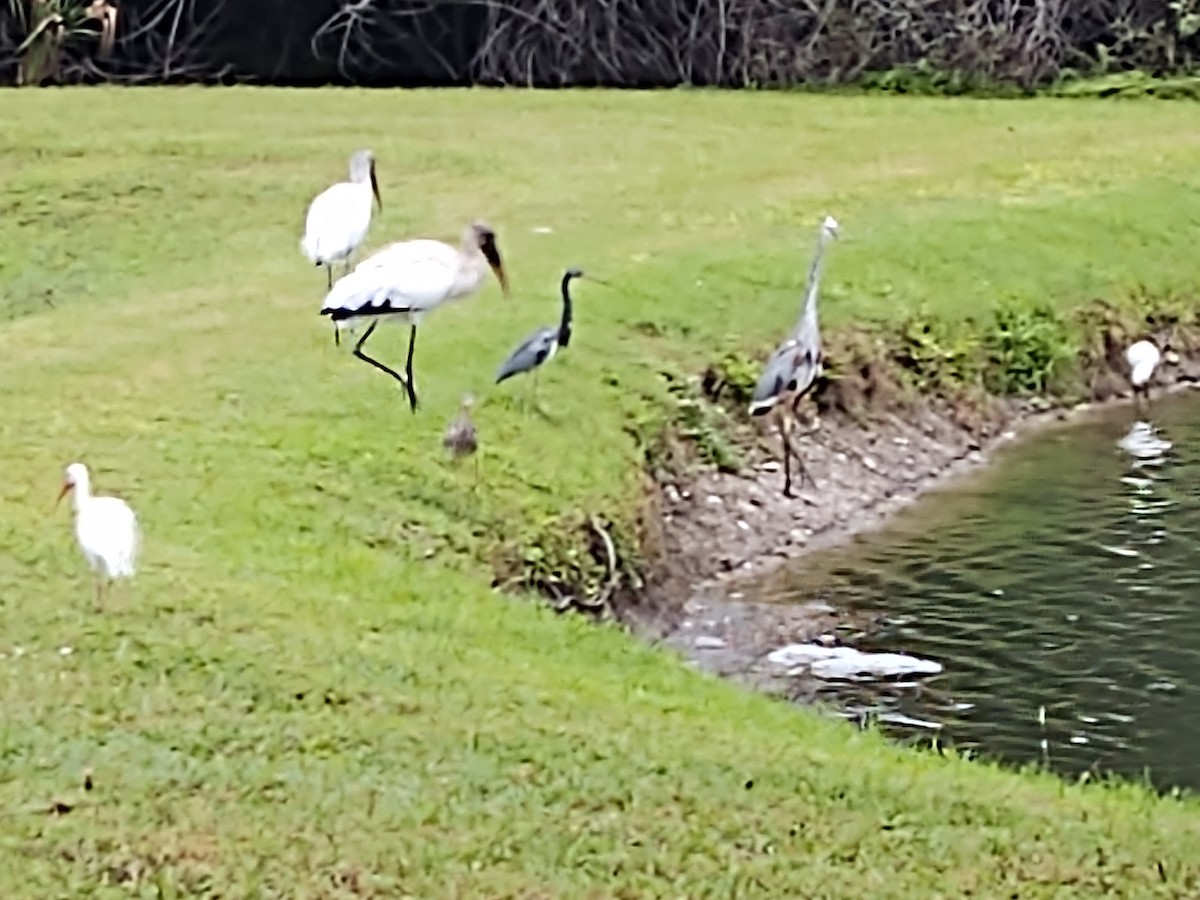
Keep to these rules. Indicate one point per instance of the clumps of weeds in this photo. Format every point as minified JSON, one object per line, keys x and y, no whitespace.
{"x":732,"y":379}
{"x":857,"y":376}
{"x":706,"y":425}
{"x":936,"y":355}
{"x":577,"y":561}
{"x":1029,"y":349}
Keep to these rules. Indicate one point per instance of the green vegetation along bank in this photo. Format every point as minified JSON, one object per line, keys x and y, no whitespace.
{"x":312,"y":689}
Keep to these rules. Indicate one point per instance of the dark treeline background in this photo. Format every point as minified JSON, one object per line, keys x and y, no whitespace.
{"x":625,"y":42}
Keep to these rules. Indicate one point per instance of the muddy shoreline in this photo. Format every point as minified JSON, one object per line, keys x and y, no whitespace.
{"x":721,"y":537}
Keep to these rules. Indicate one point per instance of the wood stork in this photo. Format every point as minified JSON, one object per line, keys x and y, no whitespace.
{"x":792,"y":370}
{"x":405,"y":280}
{"x":1143,"y":358}
{"x":105,"y":527}
{"x":340,"y":216}
{"x":541,"y":346}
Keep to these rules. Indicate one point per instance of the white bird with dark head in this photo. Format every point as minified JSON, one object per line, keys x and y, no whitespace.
{"x":1143,"y":358}
{"x":403,"y":281}
{"x":340,"y":216}
{"x":792,"y":370}
{"x":105,"y":527}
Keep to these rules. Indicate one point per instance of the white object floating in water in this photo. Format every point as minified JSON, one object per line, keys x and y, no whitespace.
{"x":846,"y":662}
{"x":1119,"y":551}
{"x":543,"y":229}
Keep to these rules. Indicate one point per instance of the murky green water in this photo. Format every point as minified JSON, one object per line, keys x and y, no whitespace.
{"x":1066,"y":577}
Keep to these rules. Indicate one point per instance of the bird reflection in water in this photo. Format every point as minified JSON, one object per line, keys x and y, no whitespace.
{"x":1149,"y":454}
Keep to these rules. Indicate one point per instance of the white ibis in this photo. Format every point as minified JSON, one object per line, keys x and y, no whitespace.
{"x":403,"y":281}
{"x":340,"y":216}
{"x":105,"y":527}
{"x":794,"y":367}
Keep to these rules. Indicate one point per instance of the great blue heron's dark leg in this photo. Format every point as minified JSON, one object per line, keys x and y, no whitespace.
{"x":412,"y":393}
{"x":786,"y":445}
{"x":805,"y":475}
{"x":380,"y":366}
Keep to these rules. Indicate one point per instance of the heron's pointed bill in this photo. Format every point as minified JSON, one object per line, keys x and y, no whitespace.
{"x":375,"y":188}
{"x":66,"y":487}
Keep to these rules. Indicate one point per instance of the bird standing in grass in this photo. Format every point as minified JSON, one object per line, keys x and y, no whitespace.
{"x":405,"y":280}
{"x":794,"y":367}
{"x":541,"y":346}
{"x":105,"y":527}
{"x":340,"y":216}
{"x":461,"y":438}
{"x":1143,"y":358}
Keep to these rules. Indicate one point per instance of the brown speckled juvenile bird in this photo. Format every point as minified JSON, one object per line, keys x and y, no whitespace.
{"x":461,"y":439}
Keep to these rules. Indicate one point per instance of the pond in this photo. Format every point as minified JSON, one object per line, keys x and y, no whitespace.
{"x":1060,"y":590}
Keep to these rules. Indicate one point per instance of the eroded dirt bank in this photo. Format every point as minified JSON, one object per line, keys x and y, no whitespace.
{"x":724,"y":536}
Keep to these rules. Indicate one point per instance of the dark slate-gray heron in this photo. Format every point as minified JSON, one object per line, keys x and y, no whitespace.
{"x":792,"y":370}
{"x":540,"y":347}
{"x":405,"y":280}
{"x":339,"y":217}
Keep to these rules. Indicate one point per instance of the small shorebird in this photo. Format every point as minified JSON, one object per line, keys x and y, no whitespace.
{"x":461,"y":437}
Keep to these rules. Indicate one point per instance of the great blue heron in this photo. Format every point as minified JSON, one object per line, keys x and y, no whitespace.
{"x":794,"y":367}
{"x":460,"y":438}
{"x":541,"y":346}
{"x":1143,"y":358}
{"x":340,"y":216}
{"x":404,"y":281}
{"x":105,"y":527}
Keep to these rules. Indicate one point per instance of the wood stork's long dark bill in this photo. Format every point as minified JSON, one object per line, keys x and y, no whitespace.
{"x":487,"y":246}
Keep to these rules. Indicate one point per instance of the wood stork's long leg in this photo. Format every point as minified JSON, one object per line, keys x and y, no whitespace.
{"x":409,"y":386}
{"x":358,"y":351}
{"x":328,"y":277}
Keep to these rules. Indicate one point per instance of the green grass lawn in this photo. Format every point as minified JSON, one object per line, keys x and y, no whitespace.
{"x":310,"y":690}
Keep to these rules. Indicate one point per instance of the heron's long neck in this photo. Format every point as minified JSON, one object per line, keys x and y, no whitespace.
{"x":807,"y":326}
{"x":564,"y":325}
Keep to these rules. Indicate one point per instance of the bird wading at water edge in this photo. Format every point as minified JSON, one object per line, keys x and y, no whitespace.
{"x":794,"y":367}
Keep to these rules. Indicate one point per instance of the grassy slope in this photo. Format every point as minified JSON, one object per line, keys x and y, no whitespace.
{"x":310,"y":687}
